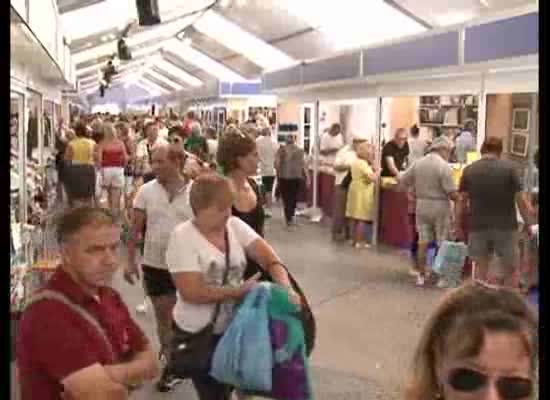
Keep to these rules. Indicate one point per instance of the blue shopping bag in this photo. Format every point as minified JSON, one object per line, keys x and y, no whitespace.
{"x":243,"y":357}
{"x":449,"y":261}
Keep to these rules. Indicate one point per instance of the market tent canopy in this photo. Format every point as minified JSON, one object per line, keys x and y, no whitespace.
{"x":230,"y":40}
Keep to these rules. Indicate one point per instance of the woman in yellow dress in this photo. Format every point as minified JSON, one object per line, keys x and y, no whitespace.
{"x":360,"y":204}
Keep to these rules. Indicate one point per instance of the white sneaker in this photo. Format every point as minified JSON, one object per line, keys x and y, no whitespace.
{"x":419,"y":280}
{"x":413,"y":272}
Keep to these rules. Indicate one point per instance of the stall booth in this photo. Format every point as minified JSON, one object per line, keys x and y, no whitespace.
{"x":40,"y":69}
{"x":234,"y":101}
{"x":438,"y":80}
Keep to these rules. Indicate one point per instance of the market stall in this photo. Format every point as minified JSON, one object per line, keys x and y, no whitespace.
{"x":442,"y":75}
{"x":39,"y":72}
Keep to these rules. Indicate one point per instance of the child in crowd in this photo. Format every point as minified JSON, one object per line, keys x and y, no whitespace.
{"x":360,"y":202}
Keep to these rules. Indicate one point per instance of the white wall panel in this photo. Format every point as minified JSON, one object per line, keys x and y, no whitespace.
{"x":21,"y":7}
{"x":512,"y":82}
{"x":435,"y":86}
{"x":43,"y":22}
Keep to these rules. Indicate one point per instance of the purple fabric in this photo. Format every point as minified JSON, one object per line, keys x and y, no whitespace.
{"x":290,"y":380}
{"x":279,"y":332}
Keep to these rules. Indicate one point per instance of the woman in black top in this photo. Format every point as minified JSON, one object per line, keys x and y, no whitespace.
{"x":238,"y":158}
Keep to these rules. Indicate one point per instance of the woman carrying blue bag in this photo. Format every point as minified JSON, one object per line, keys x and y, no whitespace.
{"x":207,"y":257}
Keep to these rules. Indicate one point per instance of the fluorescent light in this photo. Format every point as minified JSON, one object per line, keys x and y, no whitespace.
{"x":160,"y":33}
{"x":148,"y":89}
{"x":164,"y":79}
{"x":233,"y":37}
{"x":453,"y":18}
{"x":202,"y":61}
{"x":147,"y":50}
{"x":351,"y":23}
{"x":177,"y":72}
{"x":149,"y":82}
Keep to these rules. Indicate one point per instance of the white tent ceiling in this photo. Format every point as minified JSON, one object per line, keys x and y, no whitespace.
{"x":202,"y":40}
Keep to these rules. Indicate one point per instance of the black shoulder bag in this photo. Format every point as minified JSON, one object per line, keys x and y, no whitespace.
{"x":346,"y":181}
{"x":191,"y":353}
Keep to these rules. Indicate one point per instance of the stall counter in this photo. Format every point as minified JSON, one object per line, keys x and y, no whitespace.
{"x":395,"y":227}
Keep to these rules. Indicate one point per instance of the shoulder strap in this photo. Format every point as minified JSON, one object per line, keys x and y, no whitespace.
{"x":225,"y":274}
{"x":60,"y":297}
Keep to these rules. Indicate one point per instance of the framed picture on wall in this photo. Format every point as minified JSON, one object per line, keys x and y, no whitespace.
{"x":520,"y":120}
{"x":519,"y":143}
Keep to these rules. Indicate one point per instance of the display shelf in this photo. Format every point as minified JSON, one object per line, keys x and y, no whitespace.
{"x":447,"y":112}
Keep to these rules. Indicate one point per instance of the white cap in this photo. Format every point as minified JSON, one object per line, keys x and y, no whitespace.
{"x":359,"y":136}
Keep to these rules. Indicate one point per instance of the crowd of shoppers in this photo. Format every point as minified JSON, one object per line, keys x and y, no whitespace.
{"x":198,"y":213}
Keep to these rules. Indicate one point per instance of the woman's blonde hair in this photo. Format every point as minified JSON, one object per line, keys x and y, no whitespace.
{"x":109,"y":130}
{"x":458,"y":326}
{"x":210,"y":189}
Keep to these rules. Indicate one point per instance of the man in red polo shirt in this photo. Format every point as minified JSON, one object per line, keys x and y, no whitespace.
{"x":76,"y":339}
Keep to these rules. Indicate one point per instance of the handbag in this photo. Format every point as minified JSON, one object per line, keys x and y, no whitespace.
{"x":191,"y":353}
{"x":347,"y":181}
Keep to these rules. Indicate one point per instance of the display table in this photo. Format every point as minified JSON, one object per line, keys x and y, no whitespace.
{"x":395,"y":228}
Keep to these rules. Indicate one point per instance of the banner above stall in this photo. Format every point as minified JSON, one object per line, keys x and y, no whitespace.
{"x":503,"y":43}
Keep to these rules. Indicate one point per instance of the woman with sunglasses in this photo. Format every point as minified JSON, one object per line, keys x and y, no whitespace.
{"x":479,"y":344}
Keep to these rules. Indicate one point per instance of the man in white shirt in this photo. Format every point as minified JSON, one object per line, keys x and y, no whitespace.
{"x":342,"y":165}
{"x":267,"y":149}
{"x":331,"y":142}
{"x":145,"y":149}
{"x":161,"y":204}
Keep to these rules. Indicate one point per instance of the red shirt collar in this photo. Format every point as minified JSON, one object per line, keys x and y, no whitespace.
{"x":62,"y":282}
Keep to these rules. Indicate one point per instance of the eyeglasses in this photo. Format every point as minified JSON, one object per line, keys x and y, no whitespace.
{"x":508,"y":387}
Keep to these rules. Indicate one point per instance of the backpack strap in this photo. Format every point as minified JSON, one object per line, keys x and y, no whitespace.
{"x":47,"y":294}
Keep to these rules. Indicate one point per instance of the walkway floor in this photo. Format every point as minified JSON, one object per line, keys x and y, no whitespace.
{"x":368,"y":312}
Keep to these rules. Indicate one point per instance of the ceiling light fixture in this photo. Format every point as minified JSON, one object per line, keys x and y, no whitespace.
{"x":202,"y":61}
{"x":178,"y":73}
{"x":164,"y":79}
{"x":232,"y":36}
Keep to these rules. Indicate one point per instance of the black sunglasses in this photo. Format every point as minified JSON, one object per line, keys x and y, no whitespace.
{"x":508,"y":387}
